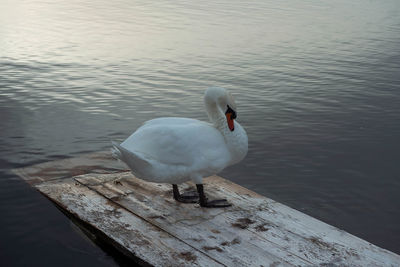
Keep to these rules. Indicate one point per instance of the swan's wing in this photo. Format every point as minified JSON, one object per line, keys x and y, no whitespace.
{"x":171,"y":121}
{"x":179,"y":141}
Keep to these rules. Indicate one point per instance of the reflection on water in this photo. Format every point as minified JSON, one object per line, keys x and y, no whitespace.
{"x":317,"y":86}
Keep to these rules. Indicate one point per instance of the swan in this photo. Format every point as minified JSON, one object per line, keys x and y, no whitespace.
{"x":174,"y":150}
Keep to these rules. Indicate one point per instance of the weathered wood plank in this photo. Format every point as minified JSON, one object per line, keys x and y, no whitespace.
{"x":193,"y":226}
{"x":321,"y":240}
{"x":254,"y":221}
{"x":128,"y":232}
{"x":142,"y":220}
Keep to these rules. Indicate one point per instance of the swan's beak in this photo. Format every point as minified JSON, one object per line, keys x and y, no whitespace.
{"x":230,"y":116}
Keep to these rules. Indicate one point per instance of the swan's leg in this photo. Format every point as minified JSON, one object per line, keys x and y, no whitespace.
{"x":217,"y":203}
{"x":183,"y":198}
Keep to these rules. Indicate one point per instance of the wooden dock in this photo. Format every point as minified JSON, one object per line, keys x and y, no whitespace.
{"x":143,"y":222}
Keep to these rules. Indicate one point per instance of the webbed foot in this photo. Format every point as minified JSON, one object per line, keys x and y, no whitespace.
{"x":186,"y":197}
{"x":216,"y":203}
{"x":204,"y":202}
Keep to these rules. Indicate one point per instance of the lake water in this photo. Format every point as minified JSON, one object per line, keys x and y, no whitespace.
{"x":317,"y":87}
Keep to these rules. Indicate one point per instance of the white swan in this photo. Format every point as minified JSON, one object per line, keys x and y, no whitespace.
{"x":175,"y":150}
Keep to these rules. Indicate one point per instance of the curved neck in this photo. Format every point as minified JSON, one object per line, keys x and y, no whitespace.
{"x":215,"y":115}
{"x":236,"y":141}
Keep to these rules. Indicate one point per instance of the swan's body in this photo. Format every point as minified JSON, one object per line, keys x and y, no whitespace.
{"x":174,"y":150}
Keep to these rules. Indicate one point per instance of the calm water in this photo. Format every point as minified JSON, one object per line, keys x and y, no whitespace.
{"x":317,"y":85}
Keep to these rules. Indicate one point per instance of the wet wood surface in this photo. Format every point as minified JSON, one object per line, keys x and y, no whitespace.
{"x":144,"y":222}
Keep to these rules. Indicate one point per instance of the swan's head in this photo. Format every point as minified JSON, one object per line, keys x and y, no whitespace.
{"x":219,"y":100}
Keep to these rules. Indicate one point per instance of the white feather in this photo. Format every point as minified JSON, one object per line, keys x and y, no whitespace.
{"x":174,"y":150}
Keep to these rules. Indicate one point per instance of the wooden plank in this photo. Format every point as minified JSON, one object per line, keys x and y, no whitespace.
{"x":193,"y":226}
{"x":129,"y":233}
{"x":254,"y":231}
{"x":143,"y":221}
{"x":319,"y":240}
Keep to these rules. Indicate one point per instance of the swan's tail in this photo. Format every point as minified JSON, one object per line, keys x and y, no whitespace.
{"x":115,"y":151}
{"x":137,"y":165}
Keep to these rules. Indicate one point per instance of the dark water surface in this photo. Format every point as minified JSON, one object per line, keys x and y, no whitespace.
{"x":317,"y":85}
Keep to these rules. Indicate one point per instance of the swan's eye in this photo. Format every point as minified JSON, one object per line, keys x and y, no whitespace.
{"x":231,"y":111}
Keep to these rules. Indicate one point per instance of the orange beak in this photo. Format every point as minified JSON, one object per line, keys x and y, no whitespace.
{"x":229,"y":119}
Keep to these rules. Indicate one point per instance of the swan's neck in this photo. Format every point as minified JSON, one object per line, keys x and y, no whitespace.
{"x":214,"y":114}
{"x":236,"y":140}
